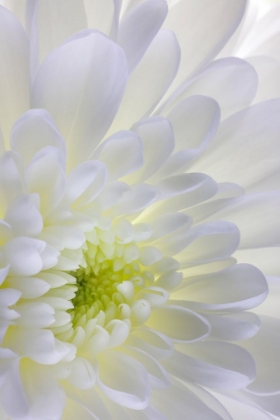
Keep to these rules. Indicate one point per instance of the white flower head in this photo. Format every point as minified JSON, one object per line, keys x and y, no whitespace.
{"x":138,"y":200}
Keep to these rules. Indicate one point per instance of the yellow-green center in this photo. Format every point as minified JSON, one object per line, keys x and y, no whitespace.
{"x":108,"y":286}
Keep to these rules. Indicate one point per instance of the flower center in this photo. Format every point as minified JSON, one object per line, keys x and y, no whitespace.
{"x":108,"y":284}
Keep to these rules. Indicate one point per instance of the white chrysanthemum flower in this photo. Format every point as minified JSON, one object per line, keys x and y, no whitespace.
{"x":137,"y":196}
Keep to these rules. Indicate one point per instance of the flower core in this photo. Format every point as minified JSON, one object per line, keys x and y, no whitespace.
{"x":109,"y":286}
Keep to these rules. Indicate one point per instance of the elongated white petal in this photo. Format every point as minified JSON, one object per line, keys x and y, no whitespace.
{"x":24,"y":216}
{"x":178,"y":323}
{"x":267,"y":70}
{"x":178,"y":401}
{"x":82,"y":80}
{"x":236,"y":288}
{"x":55,"y":22}
{"x":193,"y":22}
{"x":11,"y":179}
{"x":157,"y":374}
{"x":34,"y":131}
{"x":103,"y":16}
{"x":158,"y":143}
{"x":38,"y":345}
{"x":265,"y":208}
{"x":50,"y":189}
{"x":213,"y":364}
{"x":24,"y":255}
{"x":152,"y":342}
{"x":33,"y":314}
{"x":209,"y":242}
{"x":246,"y":131}
{"x":14,"y":71}
{"x":240,"y":326}
{"x":265,"y":342}
{"x":122,"y":153}
{"x":124,"y":380}
{"x":139,"y":27}
{"x":82,"y":374}
{"x":232,"y":82}
{"x":161,"y":59}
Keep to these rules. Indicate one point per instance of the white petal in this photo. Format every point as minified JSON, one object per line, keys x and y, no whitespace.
{"x":93,"y":406}
{"x":34,"y":131}
{"x":174,"y":241}
{"x":82,"y":374}
{"x":3,"y":273}
{"x":12,"y":396}
{"x":269,"y":403}
{"x":69,"y":260}
{"x":9,"y":297}
{"x":267,"y":70}
{"x":169,"y":280}
{"x":208,"y":268}
{"x":210,"y":400}
{"x":254,"y":132}
{"x":111,"y":195}
{"x":236,"y":288}
{"x":270,"y":306}
{"x":239,"y":410}
{"x":213,"y":364}
{"x":209,"y":242}
{"x":24,"y":256}
{"x":123,"y":380}
{"x":56,"y":21}
{"x":195,"y":122}
{"x":24,"y":216}
{"x":265,"y":208}
{"x":49,"y":257}
{"x":139,"y":27}
{"x":140,"y":312}
{"x":157,"y":375}
{"x":179,"y":402}
{"x":149,"y":255}
{"x":81,"y":84}
{"x":149,"y":81}
{"x":39,"y":345}
{"x":35,"y":315}
{"x":138,"y":198}
{"x":99,"y":340}
{"x":225,"y":194}
{"x":85,"y":182}
{"x":266,"y":259}
{"x":74,"y":410}
{"x":263,"y":38}
{"x":237,"y":327}
{"x":69,"y":237}
{"x":152,"y":342}
{"x":118,"y":331}
{"x":230,"y":81}
{"x":6,"y":232}
{"x":193,"y":22}
{"x":156,"y":296}
{"x":178,"y":323}
{"x":264,"y":347}
{"x":158,"y":143}
{"x":45,"y":176}
{"x":181,"y":192}
{"x":103,"y":16}
{"x":11,"y":184}
{"x":45,"y":397}
{"x":14,"y":72}
{"x":122,"y":154}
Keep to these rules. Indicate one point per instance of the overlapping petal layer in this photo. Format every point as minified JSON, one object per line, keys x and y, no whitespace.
{"x":137,"y":194}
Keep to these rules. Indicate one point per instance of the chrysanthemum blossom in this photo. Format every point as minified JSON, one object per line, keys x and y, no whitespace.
{"x":139,"y":209}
